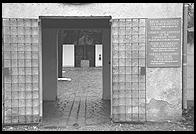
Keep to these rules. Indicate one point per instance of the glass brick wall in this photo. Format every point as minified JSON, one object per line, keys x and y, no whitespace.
{"x":128,"y":70}
{"x":20,"y":60}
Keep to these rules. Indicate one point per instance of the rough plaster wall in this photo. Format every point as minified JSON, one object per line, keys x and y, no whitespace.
{"x":116,"y":10}
{"x":163,"y":86}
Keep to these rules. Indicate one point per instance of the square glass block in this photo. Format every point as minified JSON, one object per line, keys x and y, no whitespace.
{"x":15,"y":71}
{"x":28,"y":79}
{"x":134,"y":86}
{"x":34,"y":23}
{"x":142,"y":86}
{"x":6,"y":22}
{"x":27,"y":47}
{"x":36,"y":94}
{"x":20,"y":22}
{"x":115,"y":31}
{"x":21,"y":71}
{"x":121,"y":77}
{"x":14,"y":79}
{"x":115,"y":86}
{"x":21,"y":78}
{"x":13,"y":22}
{"x":135,"y":112}
{"x":115,"y":62}
{"x":7,"y":63}
{"x":122,"y":112}
{"x":22,"y":100}
{"x":142,"y":102}
{"x":14,"y":47}
{"x":35,"y":86}
{"x":35,"y":71}
{"x":115,"y":46}
{"x":28,"y":31}
{"x":142,"y":62}
{"x":28,"y":39}
{"x":122,"y":23}
{"x":21,"y":63}
{"x":29,"y":103}
{"x":135,"y":46}
{"x":134,"y":78}
{"x":14,"y":39}
{"x":27,"y":55}
{"x":7,"y":104}
{"x":122,"y":39}
{"x":15,"y":86}
{"x":35,"y":55}
{"x":35,"y":39}
{"x":6,"y":47}
{"x":21,"y":39}
{"x":13,"y":30}
{"x":29,"y":111}
{"x":128,"y":62}
{"x":134,"y":54}
{"x":128,"y":77}
{"x":15,"y":95}
{"x":35,"y":79}
{"x":7,"y":39}
{"x":122,"y":47}
{"x":14,"y":63}
{"x":28,"y":63}
{"x":142,"y":30}
{"x":21,"y":86}
{"x":115,"y":54}
{"x":122,"y":88}
{"x":121,"y":69}
{"x":128,"y":30}
{"x":141,"y":95}
{"x":142,"y":46}
{"x":8,"y":95}
{"x":7,"y":55}
{"x":115,"y":39}
{"x":121,"y":54}
{"x":21,"y":31}
{"x":128,"y":54}
{"x":29,"y":86}
{"x":28,"y":71}
{"x":142,"y":38}
{"x":141,"y":54}
{"x":115,"y":109}
{"x":14,"y":55}
{"x":115,"y":22}
{"x":7,"y":86}
{"x":29,"y":95}
{"x":122,"y":31}
{"x":27,"y":22}
{"x":121,"y":61}
{"x":128,"y":70}
{"x":7,"y":79}
{"x":6,"y":30}
{"x":115,"y":92}
{"x":142,"y":22}
{"x":134,"y":62}
{"x":115,"y":78}
{"x":35,"y":103}
{"x":135,"y":30}
{"x":36,"y":112}
{"x":21,"y":47}
{"x":35,"y":31}
{"x":142,"y":78}
{"x":35,"y":63}
{"x":35,"y":47}
{"x":115,"y":70}
{"x":135,"y":22}
{"x":115,"y":102}
{"x":128,"y":86}
{"x":135,"y":38}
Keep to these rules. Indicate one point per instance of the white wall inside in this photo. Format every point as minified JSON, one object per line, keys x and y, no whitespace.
{"x":68,"y":55}
{"x":98,"y":55}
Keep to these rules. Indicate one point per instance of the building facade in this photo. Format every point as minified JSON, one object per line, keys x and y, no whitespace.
{"x":139,"y":84}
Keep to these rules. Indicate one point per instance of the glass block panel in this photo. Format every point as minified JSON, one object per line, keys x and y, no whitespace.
{"x":121,"y":54}
{"x":34,"y":23}
{"x":6,"y":22}
{"x":35,"y":110}
{"x":28,"y":71}
{"x":13,"y":30}
{"x":35,"y":55}
{"x":35,"y":39}
{"x":115,"y":39}
{"x":142,"y":46}
{"x":141,"y":38}
{"x":122,"y":62}
{"x":35,"y":31}
{"x":6,"y":30}
{"x":28,"y":39}
{"x":15,"y":96}
{"x":141,"y":30}
{"x":21,"y":47}
{"x":121,"y":77}
{"x":14,"y":55}
{"x":35,"y":47}
{"x":7,"y":79}
{"x":21,"y":55}
{"x":29,"y":102}
{"x":14,"y":79}
{"x":115,"y":78}
{"x":28,"y":47}
{"x":28,"y":78}
{"x":142,"y":86}
{"x":8,"y":95}
{"x":7,"y":86}
{"x":135,"y":38}
{"x":14,"y":39}
{"x":35,"y":94}
{"x":142,"y":78}
{"x":115,"y":62}
{"x":115,"y":54}
{"x":35,"y":71}
{"x":21,"y":39}
{"x":135,"y":46}
{"x":134,"y":85}
{"x":141,"y":54}
{"x":22,"y":102}
{"x":122,"y":39}
{"x":28,"y":31}
{"x":15,"y":85}
{"x":142,"y":62}
{"x":121,"y":69}
{"x":121,"y":31}
{"x":134,"y":54}
{"x":115,"y":47}
{"x":21,"y":78}
{"x":115,"y":23}
{"x":142,"y":22}
{"x":135,"y":30}
{"x":135,"y":22}
{"x":27,"y":55}
{"x":28,"y":63}
{"x":7,"y":105}
{"x":29,"y":95}
{"x":134,"y":78}
{"x":28,"y":86}
{"x":115,"y":31}
{"x":122,"y":47}
{"x":21,"y":63}
{"x":35,"y":78}
{"x":128,"y":77}
{"x":29,"y":111}
{"x":14,"y":63}
{"x":134,"y":62}
{"x":27,"y":22}
{"x":122,"y":23}
{"x":35,"y":102}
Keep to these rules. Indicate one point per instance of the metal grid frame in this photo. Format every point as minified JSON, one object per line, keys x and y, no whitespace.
{"x":128,"y":102}
{"x":20,"y":56}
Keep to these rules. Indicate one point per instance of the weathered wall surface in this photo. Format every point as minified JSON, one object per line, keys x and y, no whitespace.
{"x":163,"y":85}
{"x":116,"y":10}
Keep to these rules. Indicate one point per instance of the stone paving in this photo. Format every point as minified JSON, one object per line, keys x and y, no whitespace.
{"x":79,"y":101}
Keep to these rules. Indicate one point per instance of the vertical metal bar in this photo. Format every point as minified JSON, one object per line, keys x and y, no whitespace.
{"x":3,"y":84}
{"x":184,"y":57}
{"x":118,"y":73}
{"x":145,"y":62}
{"x":131,"y":72}
{"x":125,"y":75}
{"x":138,"y":64}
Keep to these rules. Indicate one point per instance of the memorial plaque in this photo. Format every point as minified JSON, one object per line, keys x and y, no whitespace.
{"x":164,"y":42}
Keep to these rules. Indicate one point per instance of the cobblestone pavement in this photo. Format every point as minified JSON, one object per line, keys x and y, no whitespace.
{"x":79,"y":107}
{"x":79,"y":101}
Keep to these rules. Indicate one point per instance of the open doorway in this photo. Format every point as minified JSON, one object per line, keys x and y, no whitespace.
{"x":84,"y":94}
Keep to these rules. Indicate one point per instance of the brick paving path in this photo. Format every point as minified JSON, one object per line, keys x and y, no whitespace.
{"x":79,"y":101}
